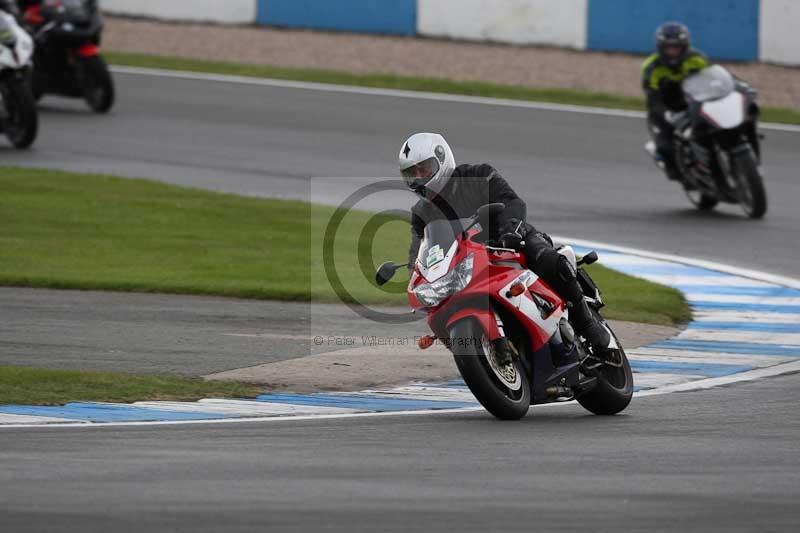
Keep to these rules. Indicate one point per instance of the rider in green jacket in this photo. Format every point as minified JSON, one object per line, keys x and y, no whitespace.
{"x":662,"y":75}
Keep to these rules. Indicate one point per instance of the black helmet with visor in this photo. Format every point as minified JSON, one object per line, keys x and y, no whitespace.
{"x":673,"y":42}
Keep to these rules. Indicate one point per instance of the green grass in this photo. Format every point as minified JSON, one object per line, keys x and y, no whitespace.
{"x":75,"y":231}
{"x":639,"y":300}
{"x":471,"y":88}
{"x":31,"y":386}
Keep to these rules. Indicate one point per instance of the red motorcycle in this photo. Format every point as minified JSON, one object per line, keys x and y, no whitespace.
{"x":480,"y":298}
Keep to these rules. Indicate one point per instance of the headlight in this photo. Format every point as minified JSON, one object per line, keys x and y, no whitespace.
{"x":432,"y":294}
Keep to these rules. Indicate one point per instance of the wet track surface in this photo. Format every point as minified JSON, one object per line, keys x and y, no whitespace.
{"x":724,"y":459}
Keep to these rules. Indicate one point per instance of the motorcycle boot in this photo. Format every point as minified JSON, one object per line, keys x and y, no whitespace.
{"x":587,"y":325}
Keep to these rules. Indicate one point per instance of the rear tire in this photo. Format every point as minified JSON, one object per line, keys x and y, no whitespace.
{"x":752,"y":196}
{"x":22,"y":125}
{"x":469,"y":347}
{"x":98,"y":86}
{"x":614,"y":389}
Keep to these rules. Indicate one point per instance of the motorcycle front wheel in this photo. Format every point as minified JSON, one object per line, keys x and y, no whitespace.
{"x":752,"y":196}
{"x":22,"y":124}
{"x":614,"y":389}
{"x":503,"y":390}
{"x":701,"y":200}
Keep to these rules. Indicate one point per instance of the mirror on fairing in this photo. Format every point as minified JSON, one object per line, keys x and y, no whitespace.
{"x":386,"y":272}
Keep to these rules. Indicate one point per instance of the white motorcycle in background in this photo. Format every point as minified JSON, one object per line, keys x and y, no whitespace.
{"x":19,"y":119}
{"x":717,"y":145}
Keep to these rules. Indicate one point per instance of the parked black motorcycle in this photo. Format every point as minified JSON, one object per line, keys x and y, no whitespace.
{"x":717,"y":145}
{"x":67,"y":59}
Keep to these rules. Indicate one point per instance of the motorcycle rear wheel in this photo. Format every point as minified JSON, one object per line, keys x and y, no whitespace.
{"x":22,"y":125}
{"x":504,"y":392}
{"x":752,"y":196}
{"x":614,"y":389}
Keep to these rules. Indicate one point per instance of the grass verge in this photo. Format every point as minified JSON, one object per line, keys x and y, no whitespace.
{"x":436,"y":85}
{"x":33,"y":386}
{"x":77,"y":231}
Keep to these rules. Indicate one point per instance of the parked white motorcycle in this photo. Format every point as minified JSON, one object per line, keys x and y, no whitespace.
{"x":19,"y":119}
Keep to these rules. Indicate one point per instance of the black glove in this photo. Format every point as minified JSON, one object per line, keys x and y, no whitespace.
{"x":513,"y":234}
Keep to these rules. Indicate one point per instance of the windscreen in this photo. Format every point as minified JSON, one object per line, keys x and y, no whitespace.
{"x":712,"y":83}
{"x":439,"y":236}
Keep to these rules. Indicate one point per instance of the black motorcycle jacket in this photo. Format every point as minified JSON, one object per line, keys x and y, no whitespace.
{"x":470,"y":187}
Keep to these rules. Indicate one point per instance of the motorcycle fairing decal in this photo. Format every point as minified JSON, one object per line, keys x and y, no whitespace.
{"x":435,"y":256}
{"x":727,"y":112}
{"x":525,"y":304}
{"x":433,"y":272}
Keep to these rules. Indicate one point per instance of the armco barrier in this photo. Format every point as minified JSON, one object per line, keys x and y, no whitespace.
{"x":373,"y":16}
{"x":724,"y":29}
{"x":561,"y":23}
{"x":220,"y":11}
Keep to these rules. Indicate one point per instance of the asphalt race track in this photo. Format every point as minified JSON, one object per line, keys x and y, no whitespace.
{"x":718,"y":460}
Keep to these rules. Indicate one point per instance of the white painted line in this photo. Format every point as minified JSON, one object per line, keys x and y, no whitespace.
{"x":614,"y":259}
{"x":703,"y":384}
{"x":13,"y":420}
{"x":253,"y":419}
{"x":244,"y":408}
{"x":746,"y":316}
{"x":727,"y":335}
{"x":776,"y":301}
{"x":428,"y":393}
{"x":711,"y":281}
{"x":685,"y":357}
{"x":655,"y":381}
{"x":395,"y":93}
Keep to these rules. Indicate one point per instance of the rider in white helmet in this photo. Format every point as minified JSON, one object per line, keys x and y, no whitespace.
{"x":447,"y":191}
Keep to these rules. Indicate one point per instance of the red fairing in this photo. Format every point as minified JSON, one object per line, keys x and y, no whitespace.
{"x":483,"y":315}
{"x":492,"y":272}
{"x":88,"y":50}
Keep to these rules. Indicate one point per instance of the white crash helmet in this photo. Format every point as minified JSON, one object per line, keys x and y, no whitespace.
{"x":426,"y":164}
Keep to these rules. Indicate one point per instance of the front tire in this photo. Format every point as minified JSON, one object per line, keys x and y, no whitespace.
{"x":98,"y":86}
{"x":22,"y":125}
{"x":752,"y":196}
{"x":614,"y":389}
{"x":504,"y":392}
{"x":701,"y":200}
